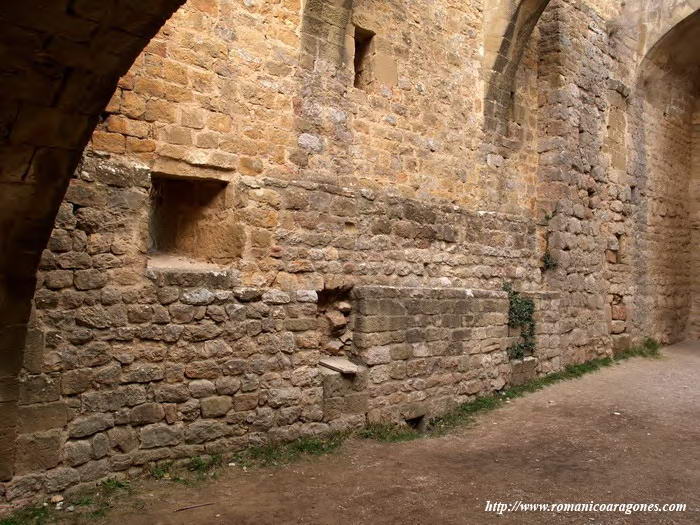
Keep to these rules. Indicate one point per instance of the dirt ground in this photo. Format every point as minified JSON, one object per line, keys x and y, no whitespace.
{"x":627,"y":434}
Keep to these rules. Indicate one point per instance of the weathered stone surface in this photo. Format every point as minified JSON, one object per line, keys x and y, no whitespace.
{"x":215,"y":406}
{"x":160,"y":435}
{"x":341,"y":365}
{"x":123,"y":438}
{"x":146,"y":413}
{"x":77,"y":452}
{"x":201,"y":388}
{"x":76,"y":381}
{"x":38,"y":452}
{"x":87,"y":425}
{"x":35,"y":418}
{"x":61,"y":478}
{"x":227,"y":385}
{"x":173,"y":393}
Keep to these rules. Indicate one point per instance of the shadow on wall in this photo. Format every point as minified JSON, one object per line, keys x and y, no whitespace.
{"x":50,"y":98}
{"x":663,"y":182}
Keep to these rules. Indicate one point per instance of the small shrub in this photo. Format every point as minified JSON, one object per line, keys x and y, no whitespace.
{"x":161,"y":471}
{"x":548,"y":262}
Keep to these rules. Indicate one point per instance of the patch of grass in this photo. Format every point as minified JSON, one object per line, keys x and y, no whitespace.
{"x":28,"y":516}
{"x":161,"y":471}
{"x":274,"y":454}
{"x":388,"y":433}
{"x":164,"y":471}
{"x":649,"y":348}
{"x":83,"y":501}
{"x":113,"y":486}
{"x":204,"y":465}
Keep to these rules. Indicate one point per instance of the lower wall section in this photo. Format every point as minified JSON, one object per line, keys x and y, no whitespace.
{"x":429,"y":349}
{"x":190,"y":364}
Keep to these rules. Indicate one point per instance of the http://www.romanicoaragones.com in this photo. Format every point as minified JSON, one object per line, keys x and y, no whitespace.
{"x":503,"y":507}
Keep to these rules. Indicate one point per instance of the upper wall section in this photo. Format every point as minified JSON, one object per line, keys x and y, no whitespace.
{"x":386,"y":95}
{"x":652,"y":19}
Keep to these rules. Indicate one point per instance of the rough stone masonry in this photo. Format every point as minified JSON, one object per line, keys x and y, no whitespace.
{"x":276,"y":184}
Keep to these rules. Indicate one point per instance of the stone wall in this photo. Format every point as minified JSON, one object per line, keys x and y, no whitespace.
{"x":429,"y":349}
{"x":137,"y":356}
{"x":288,"y":234}
{"x":658,"y":201}
{"x":269,"y":88}
{"x":694,"y":320}
{"x":190,"y":363}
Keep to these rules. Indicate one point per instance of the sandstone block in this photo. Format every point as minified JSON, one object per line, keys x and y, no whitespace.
{"x":77,"y":452}
{"x":172,"y":393}
{"x":227,"y":385}
{"x":60,"y":478}
{"x":38,"y":452}
{"x":39,"y":389}
{"x":35,"y":418}
{"x":90,"y":279}
{"x":146,"y":413}
{"x":198,"y":297}
{"x":123,"y":438}
{"x":160,"y":435}
{"x":279,"y":397}
{"x":276,"y":297}
{"x":215,"y":406}
{"x":142,"y":373}
{"x":243,"y":402}
{"x":57,"y":279}
{"x":201,"y":388}
{"x":93,"y":470}
{"x":76,"y":381}
{"x":202,"y":370}
{"x":90,"y":424}
{"x":100,"y":445}
{"x":205,"y":430}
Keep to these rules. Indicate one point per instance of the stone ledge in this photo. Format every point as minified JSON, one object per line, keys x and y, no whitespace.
{"x":340,"y":364}
{"x":370,"y":292}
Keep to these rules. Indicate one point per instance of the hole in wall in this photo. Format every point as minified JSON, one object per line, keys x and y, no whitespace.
{"x":416,"y":423}
{"x":335,"y":308}
{"x":188,"y":218}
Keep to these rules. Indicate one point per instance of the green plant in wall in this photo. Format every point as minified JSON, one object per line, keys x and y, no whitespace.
{"x":521,"y":316}
{"x":548,"y":262}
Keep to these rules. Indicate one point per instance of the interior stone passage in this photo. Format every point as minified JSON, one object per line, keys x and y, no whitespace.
{"x":229,"y":223}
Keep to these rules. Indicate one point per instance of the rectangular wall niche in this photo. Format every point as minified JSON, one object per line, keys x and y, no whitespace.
{"x":189,"y":218}
{"x":364,"y":51}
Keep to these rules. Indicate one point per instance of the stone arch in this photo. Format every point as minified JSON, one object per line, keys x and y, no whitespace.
{"x":61,"y":63}
{"x":651,"y":20}
{"x":510,"y":23}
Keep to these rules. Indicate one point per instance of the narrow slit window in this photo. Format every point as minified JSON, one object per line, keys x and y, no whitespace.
{"x":363,"y":57}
